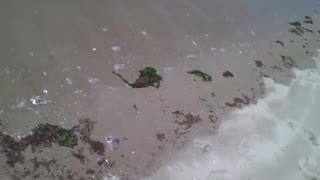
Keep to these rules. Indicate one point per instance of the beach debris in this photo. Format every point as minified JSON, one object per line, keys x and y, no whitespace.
{"x":135,"y":107}
{"x":113,"y":142}
{"x":107,"y":163}
{"x":118,"y":67}
{"x":20,"y":103}
{"x":44,"y":135}
{"x":185,"y":122}
{"x":280,"y":42}
{"x":214,"y":120}
{"x":308,"y":20}
{"x":259,"y":63}
{"x":239,"y":102}
{"x":48,"y":133}
{"x":188,"y":121}
{"x":288,"y":62}
{"x":204,"y":147}
{"x":295,"y":23}
{"x":148,"y":77}
{"x":161,"y":137}
{"x":167,"y":69}
{"x":79,"y":156}
{"x":313,"y":139}
{"x":111,"y":177}
{"x":84,"y":128}
{"x":296,"y":32}
{"x":69,"y":81}
{"x":191,"y":56}
{"x":227,"y":74}
{"x":194,"y":43}
{"x":115,"y":48}
{"x":38,"y":100}
{"x":93,"y":80}
{"x":308,"y":30}
{"x":205,"y":77}
{"x":42,"y":163}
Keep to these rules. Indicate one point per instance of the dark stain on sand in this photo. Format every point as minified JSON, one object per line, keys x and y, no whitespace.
{"x":259,"y":63}
{"x":227,"y":74}
{"x":161,"y":137}
{"x":288,"y":62}
{"x":188,"y":121}
{"x":239,"y":102}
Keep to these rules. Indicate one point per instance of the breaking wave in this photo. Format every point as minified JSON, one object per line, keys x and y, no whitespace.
{"x":273,"y":139}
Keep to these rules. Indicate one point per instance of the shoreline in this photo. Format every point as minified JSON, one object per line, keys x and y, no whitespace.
{"x":151,"y":124}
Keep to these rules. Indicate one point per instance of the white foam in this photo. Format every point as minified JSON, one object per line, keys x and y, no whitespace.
{"x":277,"y":138}
{"x":118,"y":67}
{"x":115,"y":48}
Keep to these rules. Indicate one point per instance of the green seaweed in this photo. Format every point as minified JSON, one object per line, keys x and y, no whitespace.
{"x":57,"y":134}
{"x":205,"y":77}
{"x":295,"y":23}
{"x":307,"y":20}
{"x":148,"y":77}
{"x":44,"y":135}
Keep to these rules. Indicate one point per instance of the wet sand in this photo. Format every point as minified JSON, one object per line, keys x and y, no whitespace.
{"x":65,"y":52}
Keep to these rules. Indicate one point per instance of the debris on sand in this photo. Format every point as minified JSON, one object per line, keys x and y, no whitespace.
{"x":85,"y":128}
{"x":43,"y":163}
{"x":48,"y":134}
{"x":205,"y":77}
{"x":308,"y":20}
{"x":79,"y":156}
{"x":288,"y":62}
{"x":295,"y":23}
{"x":113,"y":142}
{"x":280,"y":42}
{"x":12,"y":149}
{"x":296,"y":32}
{"x":161,"y":137}
{"x":97,"y":147}
{"x":238,"y":102}
{"x":259,"y":63}
{"x":44,"y":135}
{"x":228,"y":74}
{"x":188,"y":121}
{"x":185,"y":122}
{"x":148,"y":77}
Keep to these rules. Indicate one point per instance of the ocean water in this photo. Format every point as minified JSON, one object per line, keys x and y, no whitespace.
{"x":276,"y":138}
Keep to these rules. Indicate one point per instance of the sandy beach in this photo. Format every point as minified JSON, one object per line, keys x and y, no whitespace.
{"x":57,"y":59}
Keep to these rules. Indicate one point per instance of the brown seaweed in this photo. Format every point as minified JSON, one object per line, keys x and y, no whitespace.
{"x":148,"y":77}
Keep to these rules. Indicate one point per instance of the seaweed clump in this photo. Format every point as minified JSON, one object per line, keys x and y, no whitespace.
{"x":148,"y":77}
{"x":49,"y":133}
{"x":307,"y":20}
{"x":44,"y":135}
{"x":295,"y":23}
{"x":204,"y":76}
